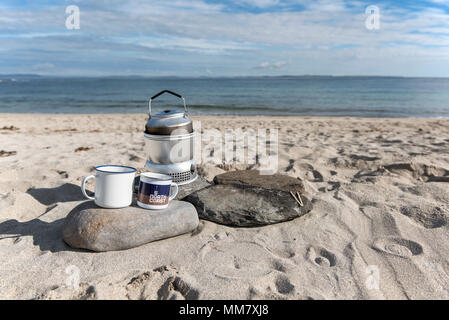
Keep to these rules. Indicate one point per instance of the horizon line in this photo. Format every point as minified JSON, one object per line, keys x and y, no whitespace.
{"x":36,"y":75}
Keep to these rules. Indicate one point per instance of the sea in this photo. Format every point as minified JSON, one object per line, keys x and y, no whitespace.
{"x":264,"y":96}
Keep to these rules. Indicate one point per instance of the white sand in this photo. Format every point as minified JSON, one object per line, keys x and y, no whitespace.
{"x":366,"y":218}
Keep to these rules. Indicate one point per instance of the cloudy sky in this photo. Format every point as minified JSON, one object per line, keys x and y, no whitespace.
{"x":225,"y":38}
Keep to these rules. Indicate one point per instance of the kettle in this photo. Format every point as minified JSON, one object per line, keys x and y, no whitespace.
{"x":169,"y":137}
{"x":167,"y":121}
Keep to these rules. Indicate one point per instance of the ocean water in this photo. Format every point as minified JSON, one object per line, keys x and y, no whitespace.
{"x":306,"y":96}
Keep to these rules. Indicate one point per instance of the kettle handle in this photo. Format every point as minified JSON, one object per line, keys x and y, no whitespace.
{"x":167,"y":91}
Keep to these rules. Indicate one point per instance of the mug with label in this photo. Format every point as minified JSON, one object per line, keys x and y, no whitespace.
{"x":154,"y":190}
{"x":113,"y":186}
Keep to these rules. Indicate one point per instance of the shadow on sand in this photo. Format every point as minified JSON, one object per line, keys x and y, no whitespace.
{"x":64,"y":193}
{"x":46,"y":235}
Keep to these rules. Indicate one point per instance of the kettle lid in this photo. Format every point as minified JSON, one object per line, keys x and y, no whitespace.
{"x":167,"y":121}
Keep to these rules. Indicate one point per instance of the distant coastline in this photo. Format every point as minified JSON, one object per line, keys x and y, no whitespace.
{"x":306,"y":95}
{"x":304,"y":76}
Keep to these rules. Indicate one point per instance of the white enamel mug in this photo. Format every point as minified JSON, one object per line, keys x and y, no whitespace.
{"x":113,"y":186}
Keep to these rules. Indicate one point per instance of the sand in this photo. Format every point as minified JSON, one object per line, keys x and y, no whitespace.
{"x":378,"y":230}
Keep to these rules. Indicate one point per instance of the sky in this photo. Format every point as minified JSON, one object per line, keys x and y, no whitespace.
{"x":225,"y":38}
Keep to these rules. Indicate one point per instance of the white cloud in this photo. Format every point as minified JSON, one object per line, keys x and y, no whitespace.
{"x":272,"y":65}
{"x":43,"y":66}
{"x":258,"y":3}
{"x":441,"y":2}
{"x":324,"y":33}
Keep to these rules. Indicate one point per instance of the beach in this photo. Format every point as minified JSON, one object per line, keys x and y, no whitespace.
{"x":378,"y":228}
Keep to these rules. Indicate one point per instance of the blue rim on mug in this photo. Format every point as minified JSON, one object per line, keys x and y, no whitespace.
{"x":132,"y":169}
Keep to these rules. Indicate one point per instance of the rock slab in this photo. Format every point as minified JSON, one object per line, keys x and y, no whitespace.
{"x":255,"y":179}
{"x":186,"y":189}
{"x":239,"y":200}
{"x":99,"y":229}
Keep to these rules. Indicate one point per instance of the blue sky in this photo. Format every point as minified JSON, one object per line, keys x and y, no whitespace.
{"x":225,"y":38}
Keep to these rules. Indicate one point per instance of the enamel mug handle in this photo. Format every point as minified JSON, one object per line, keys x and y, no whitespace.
{"x":83,"y":187}
{"x":175,"y":192}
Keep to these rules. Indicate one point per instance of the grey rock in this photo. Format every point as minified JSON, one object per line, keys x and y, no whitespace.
{"x":98,"y":229}
{"x":247,"y":206}
{"x":255,"y":179}
{"x":186,"y":189}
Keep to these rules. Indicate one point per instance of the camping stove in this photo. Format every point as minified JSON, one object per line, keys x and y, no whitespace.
{"x":182,"y":173}
{"x":169,"y":137}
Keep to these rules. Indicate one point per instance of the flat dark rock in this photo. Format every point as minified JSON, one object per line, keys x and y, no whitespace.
{"x":99,"y":229}
{"x":255,"y":179}
{"x":186,"y":189}
{"x":236,"y":200}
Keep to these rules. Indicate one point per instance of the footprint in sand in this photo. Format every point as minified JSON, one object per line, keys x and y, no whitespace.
{"x":398,"y":247}
{"x":177,"y":288}
{"x":428,"y":216}
{"x":283,"y":285}
{"x":321,"y":256}
{"x":84,"y":292}
{"x":237,"y":259}
{"x":164,"y":283}
{"x":283,"y":290}
{"x":285,"y":252}
{"x":212,"y":242}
